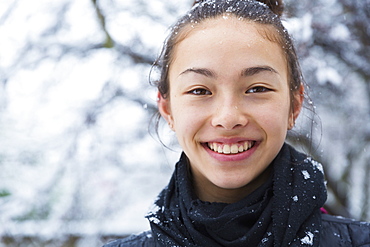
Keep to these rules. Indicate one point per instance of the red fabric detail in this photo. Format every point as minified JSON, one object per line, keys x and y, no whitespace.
{"x":323,"y":210}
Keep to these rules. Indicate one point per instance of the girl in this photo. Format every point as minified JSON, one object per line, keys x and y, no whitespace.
{"x":230,"y":89}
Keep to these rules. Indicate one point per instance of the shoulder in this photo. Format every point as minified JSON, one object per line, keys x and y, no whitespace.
{"x":143,"y":239}
{"x":339,"y":231}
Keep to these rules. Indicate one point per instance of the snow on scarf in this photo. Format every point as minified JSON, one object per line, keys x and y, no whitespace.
{"x":285,"y":211}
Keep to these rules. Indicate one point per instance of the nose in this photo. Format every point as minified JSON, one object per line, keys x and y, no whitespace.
{"x":229,"y":115}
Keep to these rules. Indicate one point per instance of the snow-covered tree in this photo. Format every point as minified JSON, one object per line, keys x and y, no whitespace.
{"x":76,"y":157}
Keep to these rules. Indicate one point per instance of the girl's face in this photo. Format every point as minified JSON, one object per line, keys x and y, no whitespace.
{"x":229,"y":105}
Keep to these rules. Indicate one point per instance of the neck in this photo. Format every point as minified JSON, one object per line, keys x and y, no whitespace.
{"x":209,"y":192}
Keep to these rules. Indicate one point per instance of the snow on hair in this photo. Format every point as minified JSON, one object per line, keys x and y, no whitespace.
{"x":276,"y":6}
{"x":258,"y":11}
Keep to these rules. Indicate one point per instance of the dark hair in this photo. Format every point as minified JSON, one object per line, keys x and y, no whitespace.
{"x":266,"y":12}
{"x":276,"y":6}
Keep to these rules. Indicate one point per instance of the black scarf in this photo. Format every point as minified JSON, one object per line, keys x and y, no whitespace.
{"x":285,"y":211}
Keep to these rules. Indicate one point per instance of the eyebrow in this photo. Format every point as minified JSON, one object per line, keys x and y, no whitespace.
{"x":258,"y":69}
{"x":245,"y":73}
{"x":201,"y":71}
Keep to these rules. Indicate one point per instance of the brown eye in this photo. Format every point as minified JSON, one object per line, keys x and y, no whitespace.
{"x":258,"y":90}
{"x":200,"y":91}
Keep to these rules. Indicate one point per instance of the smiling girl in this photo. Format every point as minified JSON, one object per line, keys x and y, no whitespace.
{"x":230,"y":89}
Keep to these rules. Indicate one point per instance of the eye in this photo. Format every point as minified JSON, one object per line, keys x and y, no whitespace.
{"x":258,"y":89}
{"x":200,"y":91}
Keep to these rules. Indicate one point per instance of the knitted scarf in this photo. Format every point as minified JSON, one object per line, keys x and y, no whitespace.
{"x":285,"y":211}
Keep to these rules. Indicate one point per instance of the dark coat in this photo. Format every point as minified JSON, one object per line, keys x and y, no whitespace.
{"x":336,"y":232}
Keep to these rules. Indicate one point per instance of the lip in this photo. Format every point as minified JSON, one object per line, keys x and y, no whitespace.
{"x":230,"y":140}
{"x":231,"y":157}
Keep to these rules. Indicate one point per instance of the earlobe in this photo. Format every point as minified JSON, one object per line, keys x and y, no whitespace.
{"x":165,"y":109}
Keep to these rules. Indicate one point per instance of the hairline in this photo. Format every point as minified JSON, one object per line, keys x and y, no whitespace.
{"x":266,"y":30}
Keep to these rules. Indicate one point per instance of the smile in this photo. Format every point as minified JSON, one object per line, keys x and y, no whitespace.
{"x":232,"y":148}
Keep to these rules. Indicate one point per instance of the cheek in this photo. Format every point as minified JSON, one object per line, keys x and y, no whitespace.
{"x":274,"y":118}
{"x":187,"y":119}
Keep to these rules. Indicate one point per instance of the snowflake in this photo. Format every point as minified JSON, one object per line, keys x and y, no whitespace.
{"x":306,"y":174}
{"x":308,"y":239}
{"x":315,"y":164}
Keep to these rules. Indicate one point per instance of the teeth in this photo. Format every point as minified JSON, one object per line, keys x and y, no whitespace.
{"x":226,"y":149}
{"x":231,"y":148}
{"x":214,"y":147}
{"x":234,"y":149}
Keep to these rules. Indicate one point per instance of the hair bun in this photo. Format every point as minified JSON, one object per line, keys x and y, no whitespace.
{"x":276,"y":6}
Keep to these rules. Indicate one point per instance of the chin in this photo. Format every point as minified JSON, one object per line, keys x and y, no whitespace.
{"x":232,"y":184}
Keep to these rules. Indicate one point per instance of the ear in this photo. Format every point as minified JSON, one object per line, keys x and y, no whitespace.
{"x":165,"y":109}
{"x":297,"y":106}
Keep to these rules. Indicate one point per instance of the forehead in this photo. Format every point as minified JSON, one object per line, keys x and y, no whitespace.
{"x":229,"y":26}
{"x":267,"y":31}
{"x":229,"y":34}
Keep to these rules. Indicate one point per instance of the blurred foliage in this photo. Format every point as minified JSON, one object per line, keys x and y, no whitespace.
{"x":4,"y":193}
{"x":75,"y":106}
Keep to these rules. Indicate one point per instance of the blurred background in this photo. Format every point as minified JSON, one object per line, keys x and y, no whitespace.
{"x":78,"y":166}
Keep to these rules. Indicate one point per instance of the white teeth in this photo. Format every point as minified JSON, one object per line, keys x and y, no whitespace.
{"x":231,"y":148}
{"x":234,"y":149}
